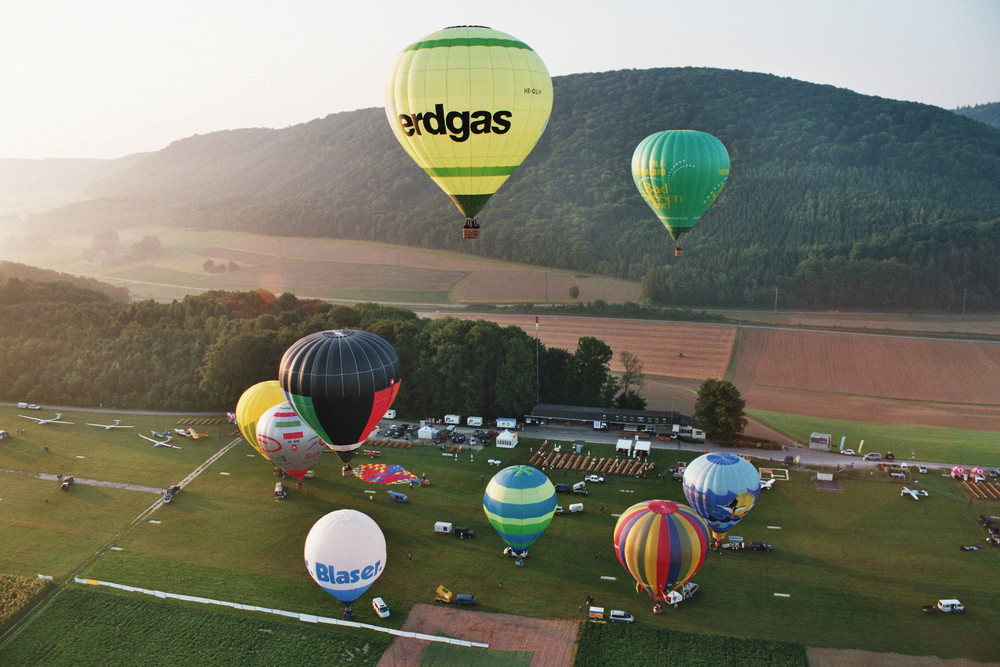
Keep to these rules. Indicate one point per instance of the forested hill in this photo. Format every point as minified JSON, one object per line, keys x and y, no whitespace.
{"x":836,"y":198}
{"x":984,"y":113}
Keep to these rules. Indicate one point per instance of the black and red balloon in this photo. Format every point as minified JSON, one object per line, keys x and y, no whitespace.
{"x":341,"y":382}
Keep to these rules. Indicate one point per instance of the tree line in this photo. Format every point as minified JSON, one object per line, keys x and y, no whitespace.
{"x":65,"y":344}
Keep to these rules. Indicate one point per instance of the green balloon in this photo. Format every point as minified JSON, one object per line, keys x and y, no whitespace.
{"x":680,"y":173}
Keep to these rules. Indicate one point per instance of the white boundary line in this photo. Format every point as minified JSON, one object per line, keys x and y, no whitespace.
{"x":307,"y":618}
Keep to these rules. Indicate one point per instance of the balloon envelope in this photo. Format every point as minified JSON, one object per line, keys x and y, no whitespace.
{"x":345,"y":554}
{"x":662,"y":544}
{"x":520,"y":502}
{"x":341,"y":383}
{"x":468,"y":103}
{"x":721,"y":487}
{"x":252,"y":405}
{"x":680,"y":173}
{"x":288,"y":441}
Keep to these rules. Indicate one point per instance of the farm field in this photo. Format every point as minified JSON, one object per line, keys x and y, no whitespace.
{"x":351,"y":271}
{"x":226,"y":537}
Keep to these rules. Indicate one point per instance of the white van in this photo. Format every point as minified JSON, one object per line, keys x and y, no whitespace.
{"x":950,"y":605}
{"x":619,"y":616}
{"x":380,"y":607}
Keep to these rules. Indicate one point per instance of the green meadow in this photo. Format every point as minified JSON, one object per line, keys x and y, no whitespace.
{"x":849,"y":569}
{"x":927,"y":443}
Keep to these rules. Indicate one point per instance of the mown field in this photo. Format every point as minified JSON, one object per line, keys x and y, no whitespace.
{"x":315,"y":268}
{"x":847,"y":561}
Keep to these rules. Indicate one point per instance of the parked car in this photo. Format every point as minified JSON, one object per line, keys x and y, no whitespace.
{"x":397,"y":497}
{"x":458,"y":438}
{"x":594,"y":479}
{"x":759,"y":546}
{"x":464,"y":532}
{"x":563,"y":488}
{"x":922,"y":469}
{"x":873,"y":456}
{"x":492,"y":433}
{"x":889,"y":456}
{"x":848,"y":452}
{"x":466,"y":600}
{"x":619,"y":616}
{"x":559,"y":509}
{"x":34,"y":406}
{"x":380,"y":607}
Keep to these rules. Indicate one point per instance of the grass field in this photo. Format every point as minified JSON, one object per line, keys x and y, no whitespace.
{"x":925,"y":443}
{"x":850,"y":562}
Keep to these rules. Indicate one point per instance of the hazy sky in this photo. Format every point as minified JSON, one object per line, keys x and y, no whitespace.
{"x":106,"y":78}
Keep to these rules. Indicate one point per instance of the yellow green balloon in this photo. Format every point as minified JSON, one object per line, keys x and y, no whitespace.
{"x":468,"y":104}
{"x":254,"y":402}
{"x":680,"y":173}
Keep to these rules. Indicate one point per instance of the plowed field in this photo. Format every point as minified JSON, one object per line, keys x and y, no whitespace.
{"x":849,"y":376}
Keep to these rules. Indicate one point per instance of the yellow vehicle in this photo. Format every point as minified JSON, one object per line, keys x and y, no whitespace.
{"x":443,"y":595}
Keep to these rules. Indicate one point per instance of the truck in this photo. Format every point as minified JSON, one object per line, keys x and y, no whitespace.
{"x":397,"y":497}
{"x":506,"y":422}
{"x":442,"y":527}
{"x":428,"y":433}
{"x":474,"y":421}
{"x":452,"y":419}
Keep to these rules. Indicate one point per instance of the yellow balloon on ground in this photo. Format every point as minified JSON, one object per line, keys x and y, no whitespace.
{"x":252,"y":404}
{"x":468,"y":104}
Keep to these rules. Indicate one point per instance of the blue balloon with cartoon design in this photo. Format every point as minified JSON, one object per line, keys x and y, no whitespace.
{"x":722,"y":488}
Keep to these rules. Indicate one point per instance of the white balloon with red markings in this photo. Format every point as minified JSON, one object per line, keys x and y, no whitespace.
{"x":287,"y":440}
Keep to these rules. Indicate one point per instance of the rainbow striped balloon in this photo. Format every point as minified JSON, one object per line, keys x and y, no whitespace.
{"x":662,"y":544}
{"x":520,"y":502}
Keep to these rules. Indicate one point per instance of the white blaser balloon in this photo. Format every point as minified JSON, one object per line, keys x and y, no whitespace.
{"x":345,"y":554}
{"x":287,"y":441}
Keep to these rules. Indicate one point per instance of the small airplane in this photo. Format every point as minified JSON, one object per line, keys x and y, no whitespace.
{"x":158,"y":434}
{"x":767,"y":483}
{"x":54,"y":420}
{"x":160,"y":443}
{"x":190,"y":433}
{"x":107,"y":427}
{"x":913,"y":493}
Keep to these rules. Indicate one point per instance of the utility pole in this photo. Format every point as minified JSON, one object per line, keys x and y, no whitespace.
{"x":775,"y":298}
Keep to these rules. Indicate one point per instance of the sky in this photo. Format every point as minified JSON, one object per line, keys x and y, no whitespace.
{"x":108,"y":78}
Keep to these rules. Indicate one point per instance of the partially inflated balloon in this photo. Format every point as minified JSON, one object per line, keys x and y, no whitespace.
{"x":520,"y":502}
{"x":662,"y":544}
{"x":721,"y":487}
{"x":288,"y":441}
{"x":680,"y":173}
{"x":345,"y":554}
{"x":468,"y":104}
{"x":252,"y":405}
{"x":341,"y":383}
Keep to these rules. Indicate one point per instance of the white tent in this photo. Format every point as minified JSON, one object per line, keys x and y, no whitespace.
{"x":624,"y":444}
{"x":642,"y":446}
{"x":507,"y":439}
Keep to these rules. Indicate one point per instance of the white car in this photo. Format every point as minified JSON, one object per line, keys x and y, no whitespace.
{"x":922,"y":469}
{"x":848,"y":452}
{"x":594,"y":479}
{"x":380,"y":607}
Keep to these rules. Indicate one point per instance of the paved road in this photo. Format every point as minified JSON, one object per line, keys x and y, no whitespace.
{"x":807,"y":457}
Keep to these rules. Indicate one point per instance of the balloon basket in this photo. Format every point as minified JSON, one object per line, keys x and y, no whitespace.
{"x":470,"y":232}
{"x":677,"y":251}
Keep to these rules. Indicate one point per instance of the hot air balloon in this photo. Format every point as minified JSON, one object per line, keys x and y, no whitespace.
{"x":662,"y":544}
{"x":721,"y":487}
{"x":468,"y":104}
{"x":520,"y":502}
{"x":345,"y":554}
{"x":341,"y":383}
{"x":252,"y":405}
{"x":680,"y":173}
{"x":288,"y":441}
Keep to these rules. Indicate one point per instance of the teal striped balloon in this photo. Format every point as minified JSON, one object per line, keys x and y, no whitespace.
{"x":520,"y":502}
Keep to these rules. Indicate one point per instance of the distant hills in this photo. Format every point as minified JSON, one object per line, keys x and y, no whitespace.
{"x":984,"y":113}
{"x":835,"y":199}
